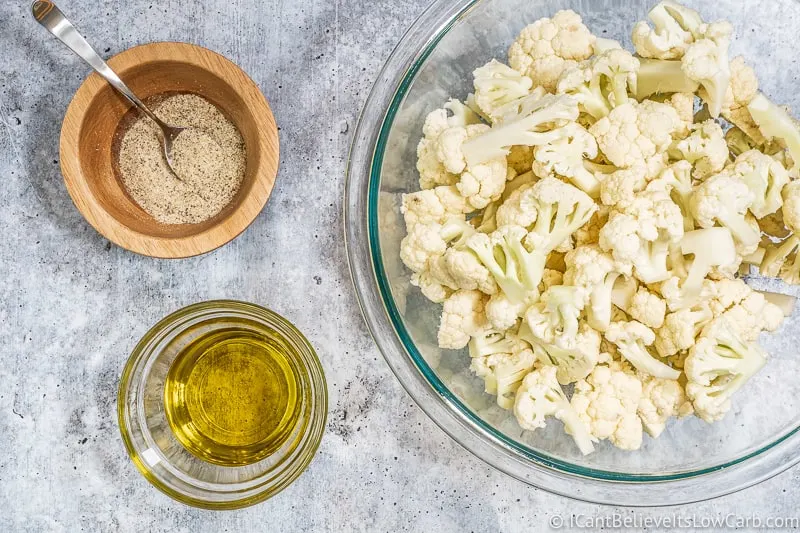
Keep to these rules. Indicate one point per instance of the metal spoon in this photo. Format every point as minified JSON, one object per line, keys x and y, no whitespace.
{"x":48,"y":15}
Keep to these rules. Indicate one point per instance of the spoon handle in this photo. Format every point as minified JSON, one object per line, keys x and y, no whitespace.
{"x":48,"y":15}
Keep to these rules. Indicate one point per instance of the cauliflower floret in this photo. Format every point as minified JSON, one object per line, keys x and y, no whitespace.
{"x":775,"y":123}
{"x":683,"y":103}
{"x":776,"y":259}
{"x":632,"y":340}
{"x":753,"y":315}
{"x":497,"y":84}
{"x":661,"y":400}
{"x":484,"y":183}
{"x":725,"y":293}
{"x":675,"y":29}
{"x":431,"y":168}
{"x":607,"y":402}
{"x":573,"y":356}
{"x":640,"y":236}
{"x":680,"y":330}
{"x":427,"y":242}
{"x":601,"y":83}
{"x":433,"y":288}
{"x":676,"y":180}
{"x":529,"y":122}
{"x":422,"y":251}
{"x":502,"y":372}
{"x":742,"y":89}
{"x":467,"y":272}
{"x":705,"y":148}
{"x":554,"y":318}
{"x":710,"y":248}
{"x":632,"y":132}
{"x":648,"y":308}
{"x":435,"y":205}
{"x":516,"y":269}
{"x":765,"y":177}
{"x":564,"y":157}
{"x":717,"y":366}
{"x":519,"y":209}
{"x":540,"y":396}
{"x":502,"y":313}
{"x":544,"y":49}
{"x":706,"y":61}
{"x":462,"y":317}
{"x":480,"y":182}
{"x":596,"y":272}
{"x":620,"y":187}
{"x":723,"y":198}
{"x":562,"y":209}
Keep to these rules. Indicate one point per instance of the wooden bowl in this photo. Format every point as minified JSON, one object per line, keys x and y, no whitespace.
{"x":95,"y":113}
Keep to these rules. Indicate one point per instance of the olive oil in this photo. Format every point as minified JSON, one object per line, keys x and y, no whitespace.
{"x":232,"y":396}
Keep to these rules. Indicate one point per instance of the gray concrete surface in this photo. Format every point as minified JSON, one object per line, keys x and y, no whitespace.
{"x":73,"y":306}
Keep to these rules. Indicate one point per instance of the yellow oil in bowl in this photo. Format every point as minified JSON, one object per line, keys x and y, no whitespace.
{"x":231,"y":397}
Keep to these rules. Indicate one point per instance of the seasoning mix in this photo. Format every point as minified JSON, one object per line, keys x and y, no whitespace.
{"x":209,"y":159}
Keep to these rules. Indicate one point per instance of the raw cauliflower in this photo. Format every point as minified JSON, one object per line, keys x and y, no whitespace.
{"x":648,"y":308}
{"x":463,"y":316}
{"x":544,"y":49}
{"x":705,"y":148}
{"x":586,"y":222}
{"x":633,"y":132}
{"x":661,"y":400}
{"x":607,"y":401}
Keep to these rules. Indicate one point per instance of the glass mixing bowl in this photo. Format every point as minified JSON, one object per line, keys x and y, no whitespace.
{"x":692,"y":460}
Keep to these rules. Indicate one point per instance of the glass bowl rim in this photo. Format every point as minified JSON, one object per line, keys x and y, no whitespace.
{"x":288,"y":471}
{"x":369,"y":161}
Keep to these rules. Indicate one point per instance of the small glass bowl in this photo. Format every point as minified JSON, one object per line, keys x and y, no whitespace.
{"x":164,"y":461}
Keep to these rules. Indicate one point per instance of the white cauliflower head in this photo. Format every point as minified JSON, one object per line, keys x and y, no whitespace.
{"x":633,"y":339}
{"x":430,"y":165}
{"x":724,"y":199}
{"x":541,"y":396}
{"x":661,"y":400}
{"x":467,"y":271}
{"x":463,"y":316}
{"x":565,"y":156}
{"x":601,"y":83}
{"x":544,"y":49}
{"x":706,"y":61}
{"x":435,"y":205}
{"x":765,"y":177}
{"x":640,"y":236}
{"x":648,"y":308}
{"x":607,"y":402}
{"x":705,"y":148}
{"x":632,"y":132}
{"x":680,"y":329}
{"x":619,"y":188}
{"x":718,"y":365}
{"x":674,"y":30}
{"x":519,"y":209}
{"x":497,"y":84}
{"x":503,"y":372}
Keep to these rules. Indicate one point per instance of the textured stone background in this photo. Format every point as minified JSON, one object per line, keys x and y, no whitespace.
{"x":73,"y":306}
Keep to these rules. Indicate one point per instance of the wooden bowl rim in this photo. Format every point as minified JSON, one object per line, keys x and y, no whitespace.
{"x":226,"y":229}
